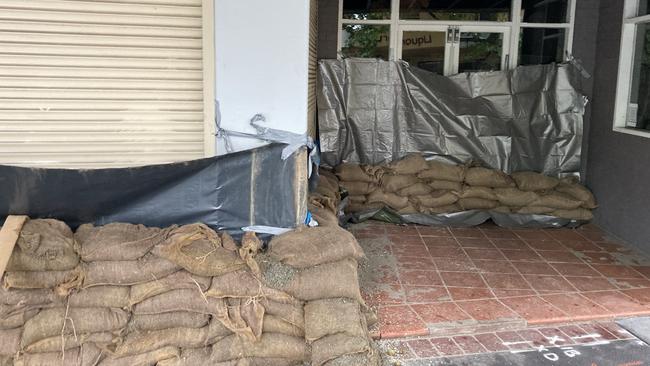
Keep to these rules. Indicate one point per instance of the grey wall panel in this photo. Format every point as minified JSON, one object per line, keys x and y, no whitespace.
{"x":617,"y":165}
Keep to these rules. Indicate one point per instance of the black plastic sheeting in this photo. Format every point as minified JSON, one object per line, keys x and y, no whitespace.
{"x":253,"y":187}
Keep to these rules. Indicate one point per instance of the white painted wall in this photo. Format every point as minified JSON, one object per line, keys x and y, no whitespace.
{"x":261,"y":65}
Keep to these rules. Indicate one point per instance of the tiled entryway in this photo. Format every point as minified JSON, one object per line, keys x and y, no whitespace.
{"x":449,"y":281}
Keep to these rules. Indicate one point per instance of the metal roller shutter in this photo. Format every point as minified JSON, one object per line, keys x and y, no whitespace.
{"x":92,"y":84}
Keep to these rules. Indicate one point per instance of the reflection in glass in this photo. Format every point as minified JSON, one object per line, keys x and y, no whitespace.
{"x":495,"y":10}
{"x":544,"y":11}
{"x":366,"y":9}
{"x":480,"y":51}
{"x":365,"y":41}
{"x":541,"y":46}
{"x":425,"y":50}
{"x":639,"y":107}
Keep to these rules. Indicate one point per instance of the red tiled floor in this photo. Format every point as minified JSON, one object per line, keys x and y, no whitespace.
{"x":461,"y":279}
{"x":423,"y":348}
{"x":469,"y":344}
{"x":399,"y":321}
{"x":487,"y":310}
{"x":539,"y":268}
{"x":418,"y":294}
{"x":535,"y":310}
{"x":443,"y":312}
{"x":549,"y":283}
{"x":446,"y":346}
{"x":475,"y":253}
{"x":506,"y":281}
{"x":465,"y":293}
{"x":577,"y":306}
{"x":440,"y":281}
{"x":420,"y":277}
{"x":494,"y":266}
{"x":491,"y":342}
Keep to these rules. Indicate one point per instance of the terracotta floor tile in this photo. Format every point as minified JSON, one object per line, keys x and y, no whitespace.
{"x":598,"y":258}
{"x":423,"y":348}
{"x":564,"y":234}
{"x":594,"y":235}
{"x":494,"y":266}
{"x":500,"y":234}
{"x":513,"y":340}
{"x":405,"y":240}
{"x":402,"y":350}
{"x":521,"y":255}
{"x":419,"y":277}
{"x":410,"y":251}
{"x":502,"y":293}
{"x":595,"y":328}
{"x":534,"y":337}
{"x":433,"y":231}
{"x":577,"y":307}
{"x":443,"y":312}
{"x":402,"y":229}
{"x":484,"y":254}
{"x":545,"y":245}
{"x":422,"y":262}
{"x":483,"y":310}
{"x":613,"y":248}
{"x":533,"y":234}
{"x":559,"y":256}
{"x":555,"y":336}
{"x":384,"y":294}
{"x":506,"y":281}
{"x":446,"y":346}
{"x":616,"y":330}
{"x":385,"y":274}
{"x":443,"y":241}
{"x":630,"y":283}
{"x":580,"y":245}
{"x":400,"y":321}
{"x":465,"y":293}
{"x":447,"y":252}
{"x":467,"y":233}
{"x":509,"y":244}
{"x":475,"y":243}
{"x":618,"y":302}
{"x":574,"y":332}
{"x":549,"y":283}
{"x":420,"y":294}
{"x":535,"y":268}
{"x":616,"y":271}
{"x":644,"y":270}
{"x":491,"y":342}
{"x":640,"y":295}
{"x":460,"y":279}
{"x":590,"y":283}
{"x":453,"y":264}
{"x":469,"y":344}
{"x":571,"y":269}
{"x":535,"y":310}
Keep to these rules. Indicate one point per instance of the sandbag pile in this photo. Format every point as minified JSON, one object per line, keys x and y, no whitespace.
{"x":325,"y":199}
{"x":415,"y":185}
{"x":125,"y":294}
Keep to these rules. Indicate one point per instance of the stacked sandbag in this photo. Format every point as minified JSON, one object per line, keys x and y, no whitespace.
{"x":325,"y":199}
{"x":415,"y":185}
{"x":125,"y":294}
{"x":319,"y":267}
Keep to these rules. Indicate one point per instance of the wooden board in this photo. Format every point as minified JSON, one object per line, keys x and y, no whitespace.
{"x":8,"y":238}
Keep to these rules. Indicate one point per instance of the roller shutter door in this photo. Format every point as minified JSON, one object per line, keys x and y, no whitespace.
{"x":91,"y":84}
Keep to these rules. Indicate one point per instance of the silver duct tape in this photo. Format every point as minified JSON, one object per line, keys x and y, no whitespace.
{"x":530,"y":118}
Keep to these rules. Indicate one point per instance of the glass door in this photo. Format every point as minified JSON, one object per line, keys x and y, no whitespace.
{"x":448,"y":50}
{"x":425,"y":47}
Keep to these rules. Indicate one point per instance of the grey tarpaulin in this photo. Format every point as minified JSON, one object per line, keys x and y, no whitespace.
{"x":465,"y":219}
{"x":252,"y":187}
{"x":530,"y":118}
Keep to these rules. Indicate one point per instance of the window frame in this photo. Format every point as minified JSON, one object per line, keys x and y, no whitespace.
{"x":515,"y":25}
{"x":624,"y":83}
